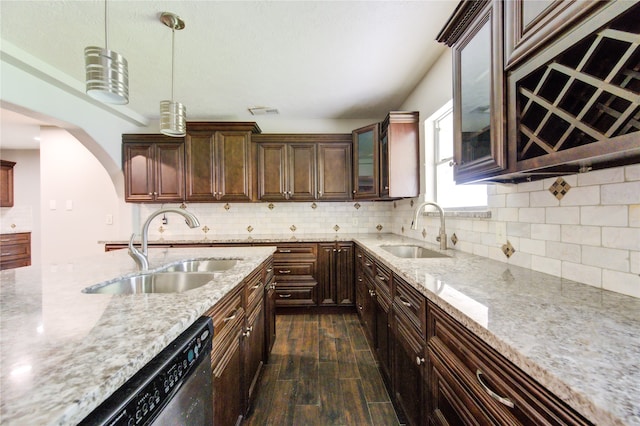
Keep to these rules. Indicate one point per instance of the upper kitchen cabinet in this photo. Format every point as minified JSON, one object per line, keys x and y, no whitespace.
{"x":529,"y":23}
{"x":303,"y":167}
{"x":6,"y":183}
{"x":475,"y":33}
{"x":399,"y":165}
{"x":366,"y":147}
{"x":576,"y":104}
{"x":218,"y":161}
{"x":153,"y":168}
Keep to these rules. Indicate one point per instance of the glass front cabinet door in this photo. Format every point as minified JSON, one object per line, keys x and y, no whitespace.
{"x":365,"y":162}
{"x":478,"y":89}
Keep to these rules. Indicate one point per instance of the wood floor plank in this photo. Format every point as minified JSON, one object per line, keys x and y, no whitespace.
{"x":327,"y":346}
{"x":331,"y":403}
{"x":290,"y":364}
{"x":383,"y":414}
{"x":282,"y":404}
{"x":358,"y":339}
{"x":353,"y":397}
{"x":296,"y":331}
{"x":308,"y":382}
{"x":311,"y":318}
{"x":307,"y":415}
{"x":326,"y":322}
{"x":340,"y":327}
{"x":365,"y":356}
{"x":372,"y":384}
{"x":346,"y":359}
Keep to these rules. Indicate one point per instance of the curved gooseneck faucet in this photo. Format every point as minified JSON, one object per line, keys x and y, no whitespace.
{"x":442,"y":235}
{"x":141,"y":256}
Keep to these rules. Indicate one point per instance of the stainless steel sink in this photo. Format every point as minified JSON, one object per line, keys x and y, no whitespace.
{"x":412,"y":252}
{"x":165,"y":282}
{"x":205,"y":265}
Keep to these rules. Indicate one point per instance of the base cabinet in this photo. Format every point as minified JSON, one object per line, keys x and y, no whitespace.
{"x":15,"y":250}
{"x":335,"y":274}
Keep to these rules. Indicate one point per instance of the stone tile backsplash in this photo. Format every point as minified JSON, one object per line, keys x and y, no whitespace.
{"x":591,"y":234}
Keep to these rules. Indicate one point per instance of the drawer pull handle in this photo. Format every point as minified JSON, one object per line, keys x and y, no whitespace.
{"x":257,"y":286}
{"x":381,"y":278}
{"x":367,"y":264}
{"x":269,"y":269}
{"x":229,"y":318}
{"x":405,"y":302}
{"x":285,"y":295}
{"x":492,"y":394}
{"x":284,"y":271}
{"x":360,"y":307}
{"x":359,"y":256}
{"x":284,"y":251}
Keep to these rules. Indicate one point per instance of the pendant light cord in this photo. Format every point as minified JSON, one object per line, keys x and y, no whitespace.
{"x":173,"y":58}
{"x":106,"y":33}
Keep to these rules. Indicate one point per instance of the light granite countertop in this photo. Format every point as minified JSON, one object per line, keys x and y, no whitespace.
{"x":580,"y":342}
{"x":63,"y":351}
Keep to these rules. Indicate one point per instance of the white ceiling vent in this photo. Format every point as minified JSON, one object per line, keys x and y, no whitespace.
{"x":263,"y":111}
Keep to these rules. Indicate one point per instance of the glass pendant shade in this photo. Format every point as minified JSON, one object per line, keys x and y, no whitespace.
{"x":173,"y":118}
{"x":107,"y":75}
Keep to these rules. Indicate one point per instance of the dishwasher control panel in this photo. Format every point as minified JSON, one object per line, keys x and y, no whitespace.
{"x":142,"y":398}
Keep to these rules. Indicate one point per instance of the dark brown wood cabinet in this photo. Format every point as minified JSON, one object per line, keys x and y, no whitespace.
{"x":294,"y":266}
{"x":366,"y":163}
{"x":227,"y":360}
{"x":470,"y":381}
{"x":253,"y":336}
{"x":218,"y":161}
{"x":6,"y":183}
{"x":334,"y":170}
{"x":409,"y":371}
{"x":365,"y":298}
{"x":475,"y":33}
{"x":153,"y":168}
{"x":15,"y":250}
{"x":269,"y":309}
{"x":399,"y":153}
{"x":335,"y":274}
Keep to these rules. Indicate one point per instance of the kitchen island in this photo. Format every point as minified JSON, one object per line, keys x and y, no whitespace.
{"x":580,"y":342}
{"x":64,"y":351}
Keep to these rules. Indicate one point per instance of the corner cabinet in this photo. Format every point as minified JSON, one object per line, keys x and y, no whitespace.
{"x":475,"y":33}
{"x":218,"y":161}
{"x":153,"y":168}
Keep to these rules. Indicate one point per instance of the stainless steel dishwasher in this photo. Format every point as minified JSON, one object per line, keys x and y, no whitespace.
{"x":174,"y":388}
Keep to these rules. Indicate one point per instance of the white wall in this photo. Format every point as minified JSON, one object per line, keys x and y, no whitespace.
{"x":71,"y":174}
{"x":24,"y":216}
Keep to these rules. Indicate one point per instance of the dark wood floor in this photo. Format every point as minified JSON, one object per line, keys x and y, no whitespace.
{"x":321,"y":372}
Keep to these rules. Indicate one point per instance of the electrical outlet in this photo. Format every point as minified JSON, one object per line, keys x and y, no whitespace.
{"x":501,"y":232}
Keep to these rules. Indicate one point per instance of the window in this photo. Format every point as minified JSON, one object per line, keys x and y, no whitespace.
{"x":439,"y":154}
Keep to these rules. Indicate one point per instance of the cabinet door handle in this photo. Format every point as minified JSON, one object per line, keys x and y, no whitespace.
{"x":419,"y":360}
{"x":381,"y":278}
{"x":257,"y":286}
{"x":247,"y":333}
{"x":502,"y":400}
{"x":405,"y":302}
{"x":359,"y":256}
{"x":284,"y":251}
{"x":284,"y":271}
{"x":269,"y":269}
{"x":360,"y":307}
{"x":367,"y":264}
{"x":229,"y":318}
{"x":284,"y":296}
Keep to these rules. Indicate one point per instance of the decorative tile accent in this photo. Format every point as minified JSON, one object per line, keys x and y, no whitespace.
{"x":336,"y":228}
{"x":227,"y":207}
{"x":357,"y":206}
{"x":271,"y":206}
{"x":314,"y":206}
{"x":13,"y":226}
{"x":454,"y":239}
{"x":206,"y":229}
{"x":508,"y":249}
{"x":161,"y":229}
{"x":379,"y":228}
{"x":559,"y":188}
{"x":250,"y":228}
{"x":183,"y":206}
{"x":293,"y":228}
{"x":424,"y":233}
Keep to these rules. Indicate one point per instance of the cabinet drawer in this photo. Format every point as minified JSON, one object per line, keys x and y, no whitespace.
{"x":487,"y":374}
{"x":284,"y":270}
{"x":269,"y":271}
{"x":22,"y":237}
{"x":226,"y":314}
{"x":301,"y":295}
{"x":15,"y":250}
{"x":288,"y":252}
{"x":368,"y":265}
{"x":412,"y":305}
{"x":383,"y":279}
{"x":254,"y":287}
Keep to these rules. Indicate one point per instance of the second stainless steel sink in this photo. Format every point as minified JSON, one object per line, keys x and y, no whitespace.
{"x":413,"y":252}
{"x":204,"y":265}
{"x":167,"y":282}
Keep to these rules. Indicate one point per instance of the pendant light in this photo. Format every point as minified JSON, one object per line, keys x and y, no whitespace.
{"x":107,"y":74}
{"x":173,"y":115}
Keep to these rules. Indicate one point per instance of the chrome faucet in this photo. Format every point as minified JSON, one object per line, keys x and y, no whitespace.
{"x":141,"y":256}
{"x":442,"y":235}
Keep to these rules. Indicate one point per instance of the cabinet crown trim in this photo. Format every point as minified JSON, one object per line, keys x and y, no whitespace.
{"x":465,"y":12}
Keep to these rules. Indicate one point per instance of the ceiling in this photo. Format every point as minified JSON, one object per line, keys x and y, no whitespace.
{"x":308,"y":59}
